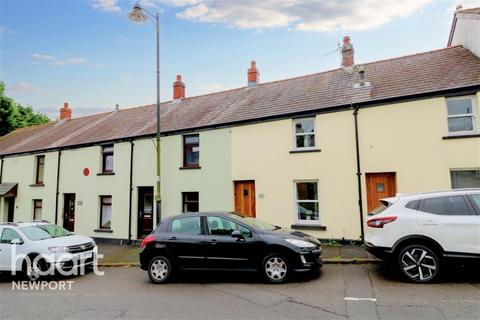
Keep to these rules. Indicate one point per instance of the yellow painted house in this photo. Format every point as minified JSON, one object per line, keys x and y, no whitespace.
{"x":313,"y":153}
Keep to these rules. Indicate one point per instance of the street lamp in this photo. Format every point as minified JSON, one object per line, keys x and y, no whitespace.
{"x":140,"y":15}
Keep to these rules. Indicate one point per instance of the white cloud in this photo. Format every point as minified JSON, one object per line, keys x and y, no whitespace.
{"x":305,"y":15}
{"x":55,"y":61}
{"x":26,"y":87}
{"x":4,"y":31}
{"x":106,"y":5}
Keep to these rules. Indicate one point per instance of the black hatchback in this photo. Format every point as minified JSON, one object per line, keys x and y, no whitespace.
{"x":227,"y":241}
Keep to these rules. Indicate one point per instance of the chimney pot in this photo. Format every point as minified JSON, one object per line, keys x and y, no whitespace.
{"x":178,"y":88}
{"x":253,"y":75}
{"x":65,"y":112}
{"x":347,"y":53}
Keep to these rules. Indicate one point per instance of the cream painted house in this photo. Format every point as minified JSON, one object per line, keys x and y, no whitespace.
{"x":313,"y":153}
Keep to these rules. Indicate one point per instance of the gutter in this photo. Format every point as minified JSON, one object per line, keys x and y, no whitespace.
{"x":359,"y":172}
{"x":57,"y":186}
{"x":130,"y":194}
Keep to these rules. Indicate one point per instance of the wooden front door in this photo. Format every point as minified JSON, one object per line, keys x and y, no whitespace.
{"x":69,"y":211}
{"x":379,"y":186}
{"x":145,"y":211}
{"x":245,"y":197}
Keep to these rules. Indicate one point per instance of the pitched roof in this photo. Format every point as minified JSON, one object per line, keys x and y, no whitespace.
{"x":470,"y":10}
{"x":443,"y":69}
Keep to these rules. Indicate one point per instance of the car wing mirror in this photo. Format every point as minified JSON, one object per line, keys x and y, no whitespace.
{"x":236,"y":234}
{"x":16,"y":241}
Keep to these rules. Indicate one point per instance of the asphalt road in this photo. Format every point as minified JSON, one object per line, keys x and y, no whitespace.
{"x":339,"y":292}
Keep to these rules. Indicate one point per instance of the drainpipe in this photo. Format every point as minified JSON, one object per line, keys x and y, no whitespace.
{"x":1,"y":170}
{"x":359,"y":172}
{"x":130,"y":196}
{"x":57,"y":187}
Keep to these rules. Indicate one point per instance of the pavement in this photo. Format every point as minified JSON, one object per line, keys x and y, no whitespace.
{"x":126,"y":255}
{"x":340,"y":291}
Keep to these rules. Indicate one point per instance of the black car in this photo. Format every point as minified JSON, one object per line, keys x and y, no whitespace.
{"x":227,"y":241}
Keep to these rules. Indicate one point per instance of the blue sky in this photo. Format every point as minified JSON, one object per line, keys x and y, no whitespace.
{"x":87,"y":52}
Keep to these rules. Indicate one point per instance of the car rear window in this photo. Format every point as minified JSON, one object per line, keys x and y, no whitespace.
{"x":451,"y":206}
{"x":382,"y":207}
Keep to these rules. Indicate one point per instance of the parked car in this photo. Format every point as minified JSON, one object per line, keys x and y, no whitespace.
{"x":419,"y":233}
{"x":227,"y":241}
{"x":40,"y":246}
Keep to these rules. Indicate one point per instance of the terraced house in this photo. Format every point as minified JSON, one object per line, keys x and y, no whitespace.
{"x":313,"y":153}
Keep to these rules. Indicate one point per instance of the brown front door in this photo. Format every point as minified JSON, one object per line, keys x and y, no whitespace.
{"x":145,"y":211}
{"x":379,"y":186}
{"x":245,"y":198}
{"x":69,"y":211}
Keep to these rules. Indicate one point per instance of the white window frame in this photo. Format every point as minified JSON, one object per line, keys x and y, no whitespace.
{"x":296,"y":201}
{"x":295,"y":134}
{"x":473,"y":115}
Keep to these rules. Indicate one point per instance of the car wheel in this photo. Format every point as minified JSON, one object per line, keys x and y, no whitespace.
{"x":33,"y":268}
{"x":419,"y":263}
{"x":159,"y":269}
{"x":275,"y":268}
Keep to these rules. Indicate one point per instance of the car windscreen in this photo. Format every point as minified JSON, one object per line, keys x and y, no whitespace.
{"x":382,"y":207}
{"x":259,"y":224}
{"x":44,"y":231}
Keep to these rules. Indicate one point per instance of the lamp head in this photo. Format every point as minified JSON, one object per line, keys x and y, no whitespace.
{"x":137,"y":15}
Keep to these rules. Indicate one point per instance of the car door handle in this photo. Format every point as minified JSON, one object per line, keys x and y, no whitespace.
{"x":213,"y":241}
{"x":430,"y":223}
{"x":172,"y":238}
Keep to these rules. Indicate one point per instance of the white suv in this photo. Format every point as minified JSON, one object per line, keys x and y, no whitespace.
{"x":420,"y":232}
{"x":41,"y":248}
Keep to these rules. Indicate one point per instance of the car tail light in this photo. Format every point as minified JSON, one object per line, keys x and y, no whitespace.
{"x":147,"y":240}
{"x":380,"y":222}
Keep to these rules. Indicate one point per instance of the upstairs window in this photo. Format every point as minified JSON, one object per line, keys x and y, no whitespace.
{"x":191,"y":150}
{"x":40,"y":168}
{"x":304,"y":133}
{"x":461,"y":115}
{"x":107,"y":159}
{"x":37,"y":209}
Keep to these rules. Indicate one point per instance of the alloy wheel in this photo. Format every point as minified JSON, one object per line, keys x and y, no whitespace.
{"x":276,"y":268}
{"x":33,"y":270}
{"x":159,"y":269}
{"x":419,"y":264}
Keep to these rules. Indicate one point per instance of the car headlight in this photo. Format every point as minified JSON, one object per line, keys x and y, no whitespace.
{"x":58,"y":249}
{"x":301,"y":243}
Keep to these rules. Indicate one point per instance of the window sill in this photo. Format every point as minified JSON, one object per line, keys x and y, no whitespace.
{"x":106,"y":174}
{"x":103,"y":230}
{"x":305,"y":151}
{"x":37,"y":185}
{"x":462,"y":136}
{"x":301,"y":226}
{"x":189,"y":168}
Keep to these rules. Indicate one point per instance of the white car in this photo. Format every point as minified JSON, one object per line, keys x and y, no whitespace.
{"x":420,"y":232}
{"x":42,"y":248}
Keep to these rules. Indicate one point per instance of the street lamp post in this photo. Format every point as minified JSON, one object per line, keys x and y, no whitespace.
{"x":140,"y":15}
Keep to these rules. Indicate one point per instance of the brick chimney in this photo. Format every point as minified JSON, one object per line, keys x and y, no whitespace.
{"x":253,"y":75}
{"x":65,"y":112}
{"x":347,"y":53}
{"x":178,"y":88}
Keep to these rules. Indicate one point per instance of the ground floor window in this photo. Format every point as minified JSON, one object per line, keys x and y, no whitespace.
{"x":37,"y":209}
{"x":306,"y":201}
{"x":105,"y":212}
{"x":465,"y":178}
{"x":190,"y":201}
